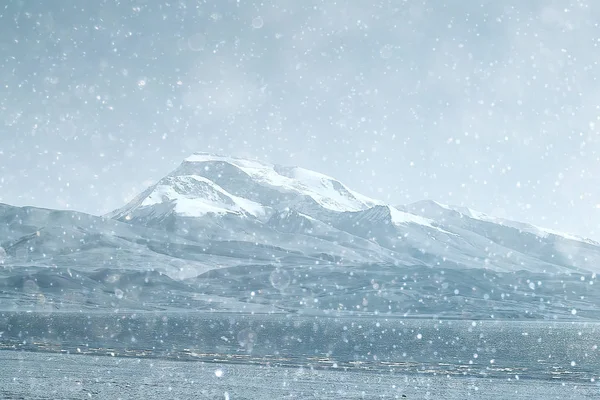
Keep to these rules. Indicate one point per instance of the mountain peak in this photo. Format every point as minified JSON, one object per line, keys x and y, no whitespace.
{"x":215,"y":184}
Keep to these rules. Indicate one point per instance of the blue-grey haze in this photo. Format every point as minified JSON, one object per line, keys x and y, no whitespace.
{"x":489,"y":104}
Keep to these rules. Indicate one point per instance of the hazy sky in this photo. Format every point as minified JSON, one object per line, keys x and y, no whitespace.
{"x":492,"y":104}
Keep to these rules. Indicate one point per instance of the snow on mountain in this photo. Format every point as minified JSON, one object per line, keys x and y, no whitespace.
{"x":291,"y":221}
{"x":189,"y":196}
{"x":504,"y":245}
{"x":524,"y":227}
{"x":195,"y":196}
{"x":209,"y":184}
{"x":218,"y":228}
{"x":324,"y":190}
{"x":245,"y":201}
{"x":440,"y":212}
{"x":387,"y":215}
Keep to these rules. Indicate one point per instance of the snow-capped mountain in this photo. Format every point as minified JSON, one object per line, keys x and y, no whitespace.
{"x":233,"y":199}
{"x":209,"y":184}
{"x":218,"y":228}
{"x":207,"y":188}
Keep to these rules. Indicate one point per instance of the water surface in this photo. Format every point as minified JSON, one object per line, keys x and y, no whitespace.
{"x":515,"y":350}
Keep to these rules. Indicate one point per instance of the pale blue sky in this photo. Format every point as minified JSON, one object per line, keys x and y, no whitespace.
{"x":488,"y":104}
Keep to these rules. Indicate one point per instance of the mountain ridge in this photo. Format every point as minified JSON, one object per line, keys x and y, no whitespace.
{"x":294,"y":187}
{"x":222,"y":226}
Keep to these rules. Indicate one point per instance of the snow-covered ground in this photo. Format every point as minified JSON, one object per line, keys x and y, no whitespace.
{"x":37,"y":376}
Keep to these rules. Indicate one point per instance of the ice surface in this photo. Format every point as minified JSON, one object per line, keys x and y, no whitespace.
{"x":38,"y":376}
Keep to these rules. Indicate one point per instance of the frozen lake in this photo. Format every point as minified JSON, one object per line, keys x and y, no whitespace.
{"x":251,"y":356}
{"x":26,"y":375}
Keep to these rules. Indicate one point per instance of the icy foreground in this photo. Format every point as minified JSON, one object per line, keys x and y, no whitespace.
{"x":200,"y":354}
{"x":38,"y":376}
{"x":228,"y":234}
